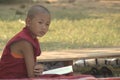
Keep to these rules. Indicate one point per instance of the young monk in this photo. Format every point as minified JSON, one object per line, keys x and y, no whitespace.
{"x":19,"y":56}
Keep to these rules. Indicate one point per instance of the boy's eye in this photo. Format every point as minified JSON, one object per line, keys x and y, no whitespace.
{"x":47,"y":24}
{"x":40,"y":22}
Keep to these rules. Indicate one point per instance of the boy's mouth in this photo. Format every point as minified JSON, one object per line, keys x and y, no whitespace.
{"x":42,"y":32}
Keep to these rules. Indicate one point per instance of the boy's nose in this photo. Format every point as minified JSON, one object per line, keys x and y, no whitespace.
{"x":44,"y":28}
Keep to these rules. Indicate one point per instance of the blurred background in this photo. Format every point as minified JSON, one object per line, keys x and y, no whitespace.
{"x":75,"y":24}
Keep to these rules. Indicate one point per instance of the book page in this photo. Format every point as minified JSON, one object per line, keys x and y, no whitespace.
{"x":60,"y":71}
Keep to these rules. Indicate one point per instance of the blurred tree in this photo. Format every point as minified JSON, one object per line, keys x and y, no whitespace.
{"x":14,"y":1}
{"x":71,"y":1}
{"x":51,"y":1}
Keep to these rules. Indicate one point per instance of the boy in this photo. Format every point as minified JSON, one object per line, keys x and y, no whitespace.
{"x":19,"y":56}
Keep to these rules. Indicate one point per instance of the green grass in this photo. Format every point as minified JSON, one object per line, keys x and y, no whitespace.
{"x":73,"y":26}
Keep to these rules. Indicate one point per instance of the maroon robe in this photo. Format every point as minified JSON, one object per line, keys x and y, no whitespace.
{"x":11,"y":67}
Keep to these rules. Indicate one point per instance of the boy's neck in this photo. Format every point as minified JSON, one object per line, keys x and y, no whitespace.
{"x":32,"y":34}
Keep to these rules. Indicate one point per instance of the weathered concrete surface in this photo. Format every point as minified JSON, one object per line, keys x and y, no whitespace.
{"x":77,"y":54}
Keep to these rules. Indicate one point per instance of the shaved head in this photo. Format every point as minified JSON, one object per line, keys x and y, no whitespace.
{"x":34,"y":10}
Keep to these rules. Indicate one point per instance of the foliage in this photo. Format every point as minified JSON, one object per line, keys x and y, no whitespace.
{"x":13,"y":1}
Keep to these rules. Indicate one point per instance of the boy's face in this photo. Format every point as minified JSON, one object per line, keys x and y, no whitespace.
{"x":39,"y":24}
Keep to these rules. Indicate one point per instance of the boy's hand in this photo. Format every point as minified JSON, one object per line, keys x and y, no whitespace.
{"x":38,"y":69}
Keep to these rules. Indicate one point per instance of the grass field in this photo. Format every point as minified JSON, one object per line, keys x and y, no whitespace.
{"x":74,"y":25}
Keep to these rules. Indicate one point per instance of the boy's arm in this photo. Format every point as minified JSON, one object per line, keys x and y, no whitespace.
{"x":28,"y":53}
{"x":25,"y":48}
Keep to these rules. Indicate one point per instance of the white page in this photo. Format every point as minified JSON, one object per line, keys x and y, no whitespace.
{"x":62,"y":70}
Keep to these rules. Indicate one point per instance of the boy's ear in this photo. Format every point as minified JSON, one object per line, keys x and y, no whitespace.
{"x":28,"y":21}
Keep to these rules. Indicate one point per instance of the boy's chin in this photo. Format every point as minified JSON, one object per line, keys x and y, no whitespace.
{"x":40,"y":35}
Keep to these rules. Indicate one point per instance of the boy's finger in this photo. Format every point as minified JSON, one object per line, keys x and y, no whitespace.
{"x":38,"y":70}
{"x":39,"y":67}
{"x":38,"y":73}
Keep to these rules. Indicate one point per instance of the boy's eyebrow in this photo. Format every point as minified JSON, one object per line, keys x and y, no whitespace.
{"x":43,"y":20}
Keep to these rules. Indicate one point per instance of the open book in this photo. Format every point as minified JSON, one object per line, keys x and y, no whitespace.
{"x":60,"y":71}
